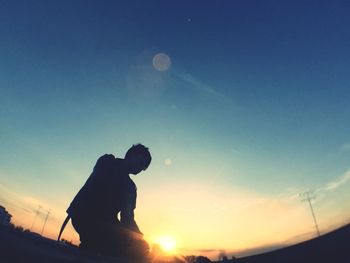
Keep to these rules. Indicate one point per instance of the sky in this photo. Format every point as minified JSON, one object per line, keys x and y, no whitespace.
{"x":243,"y":104}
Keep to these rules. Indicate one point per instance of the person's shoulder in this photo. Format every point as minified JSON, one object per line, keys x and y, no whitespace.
{"x":104,"y":161}
{"x":106,"y":158}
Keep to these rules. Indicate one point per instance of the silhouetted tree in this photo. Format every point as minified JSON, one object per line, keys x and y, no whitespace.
{"x":19,"y":229}
{"x":202,"y":259}
{"x":222,"y":256}
{"x":190,"y":259}
{"x":68,"y":243}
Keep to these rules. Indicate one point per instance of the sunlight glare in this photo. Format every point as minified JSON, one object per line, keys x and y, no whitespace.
{"x":167,"y":243}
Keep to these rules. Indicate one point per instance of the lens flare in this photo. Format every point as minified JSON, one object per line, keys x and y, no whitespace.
{"x":161,"y":62}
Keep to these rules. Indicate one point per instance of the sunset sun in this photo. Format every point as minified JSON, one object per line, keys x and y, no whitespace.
{"x":167,"y":243}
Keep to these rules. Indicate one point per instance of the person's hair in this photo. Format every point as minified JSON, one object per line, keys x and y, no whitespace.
{"x":139,"y":149}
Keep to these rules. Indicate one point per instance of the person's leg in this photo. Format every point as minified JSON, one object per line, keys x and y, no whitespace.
{"x":115,"y":242}
{"x":137,"y":247}
{"x":88,"y":234}
{"x":118,"y":241}
{"x":110,"y":239}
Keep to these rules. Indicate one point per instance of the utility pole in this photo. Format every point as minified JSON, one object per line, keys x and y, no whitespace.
{"x":308,"y":197}
{"x":36,"y":216}
{"x":47,"y":216}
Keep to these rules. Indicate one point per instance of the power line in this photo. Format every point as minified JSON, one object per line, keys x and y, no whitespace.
{"x":308,"y":197}
{"x":47,"y":216}
{"x":36,"y":216}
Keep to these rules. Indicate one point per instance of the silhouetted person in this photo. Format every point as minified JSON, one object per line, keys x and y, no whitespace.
{"x":109,"y":191}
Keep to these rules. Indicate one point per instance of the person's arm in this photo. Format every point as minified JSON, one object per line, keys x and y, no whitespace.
{"x":127,"y":219}
{"x":127,"y":216}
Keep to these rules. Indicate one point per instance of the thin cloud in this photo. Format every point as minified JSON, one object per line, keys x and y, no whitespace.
{"x":26,"y":203}
{"x":206,"y":250}
{"x":330,"y":186}
{"x":200,"y":86}
{"x":346,"y":147}
{"x":338,"y":182}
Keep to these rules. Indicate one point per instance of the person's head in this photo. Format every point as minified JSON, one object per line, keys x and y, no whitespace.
{"x":138,"y":158}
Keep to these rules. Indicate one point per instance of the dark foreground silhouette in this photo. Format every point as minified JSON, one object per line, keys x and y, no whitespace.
{"x":333,"y":247}
{"x":108,"y":193}
{"x":15,"y":246}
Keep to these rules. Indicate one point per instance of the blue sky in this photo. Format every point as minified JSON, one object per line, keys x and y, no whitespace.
{"x":255,"y":100}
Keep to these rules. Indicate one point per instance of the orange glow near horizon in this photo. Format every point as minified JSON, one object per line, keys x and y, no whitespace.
{"x":195,"y":219}
{"x":167,"y":243}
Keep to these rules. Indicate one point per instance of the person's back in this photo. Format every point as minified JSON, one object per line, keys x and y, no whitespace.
{"x":105,"y":192}
{"x":108,"y":191}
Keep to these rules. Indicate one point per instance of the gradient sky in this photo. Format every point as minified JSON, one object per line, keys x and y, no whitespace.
{"x":252,"y":109}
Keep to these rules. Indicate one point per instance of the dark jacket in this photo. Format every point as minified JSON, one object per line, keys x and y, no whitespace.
{"x":108,"y":191}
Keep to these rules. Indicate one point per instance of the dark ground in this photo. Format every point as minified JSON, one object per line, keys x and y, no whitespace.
{"x":333,"y":247}
{"x":27,"y":247}
{"x":21,"y":247}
